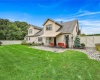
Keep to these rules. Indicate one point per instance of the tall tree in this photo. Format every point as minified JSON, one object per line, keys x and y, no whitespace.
{"x":12,"y":30}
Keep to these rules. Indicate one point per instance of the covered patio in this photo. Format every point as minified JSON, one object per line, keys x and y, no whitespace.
{"x":52,"y":39}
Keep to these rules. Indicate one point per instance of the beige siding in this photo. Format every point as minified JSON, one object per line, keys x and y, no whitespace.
{"x":74,"y":31}
{"x":35,"y":40}
{"x":31,"y":27}
{"x":60,"y":38}
{"x":36,"y":30}
{"x":31,"y":39}
{"x":55,"y":27}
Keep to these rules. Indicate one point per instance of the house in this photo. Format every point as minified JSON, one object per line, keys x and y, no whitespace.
{"x":54,"y":34}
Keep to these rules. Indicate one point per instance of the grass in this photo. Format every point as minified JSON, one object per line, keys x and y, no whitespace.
{"x":18,"y":62}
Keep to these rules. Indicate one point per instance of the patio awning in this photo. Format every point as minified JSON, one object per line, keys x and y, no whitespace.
{"x":54,"y":34}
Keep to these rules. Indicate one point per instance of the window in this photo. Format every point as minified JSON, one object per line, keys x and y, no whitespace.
{"x":29,"y":38}
{"x":30,"y":31}
{"x":26,"y":38}
{"x":49,"y":27}
{"x":39,"y":39}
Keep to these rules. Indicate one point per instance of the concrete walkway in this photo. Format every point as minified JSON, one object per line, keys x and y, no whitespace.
{"x":47,"y":48}
{"x":90,"y":52}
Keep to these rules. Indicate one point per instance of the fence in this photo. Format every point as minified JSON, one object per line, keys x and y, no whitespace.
{"x":7,"y":42}
{"x":90,"y":41}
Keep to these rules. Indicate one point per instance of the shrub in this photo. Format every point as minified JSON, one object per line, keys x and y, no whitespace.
{"x":97,"y":47}
{"x":35,"y":44}
{"x":0,"y":43}
{"x":23,"y":42}
{"x":82,"y":44}
{"x":77,"y":42}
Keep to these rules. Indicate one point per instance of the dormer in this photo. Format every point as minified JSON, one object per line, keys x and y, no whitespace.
{"x":51,"y":26}
{"x":33,"y":29}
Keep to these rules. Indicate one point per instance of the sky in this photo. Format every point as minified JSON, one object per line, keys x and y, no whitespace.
{"x":35,"y":12}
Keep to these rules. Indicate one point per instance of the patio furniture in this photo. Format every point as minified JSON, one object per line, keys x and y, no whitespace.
{"x":51,"y":44}
{"x":63,"y":45}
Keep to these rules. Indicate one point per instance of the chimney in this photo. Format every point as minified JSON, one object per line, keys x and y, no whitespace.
{"x":61,"y":22}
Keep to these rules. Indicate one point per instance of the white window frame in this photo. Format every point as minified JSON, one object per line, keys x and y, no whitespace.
{"x":30,"y":31}
{"x":49,"y":27}
{"x":39,"y":39}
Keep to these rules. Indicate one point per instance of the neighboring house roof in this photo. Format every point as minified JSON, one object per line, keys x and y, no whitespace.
{"x":68,"y":27}
{"x":36,"y":27}
{"x":52,"y":21}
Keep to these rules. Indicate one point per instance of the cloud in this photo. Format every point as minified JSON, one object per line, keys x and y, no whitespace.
{"x":90,"y":26}
{"x":86,"y":13}
{"x":50,"y":5}
{"x":82,"y":13}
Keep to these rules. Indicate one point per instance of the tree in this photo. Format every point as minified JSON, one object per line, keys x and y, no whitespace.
{"x":12,"y":30}
{"x":83,"y":34}
{"x":77,"y":42}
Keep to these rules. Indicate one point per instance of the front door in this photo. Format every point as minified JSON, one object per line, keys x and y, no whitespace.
{"x":54,"y":41}
{"x":67,"y":41}
{"x":48,"y":41}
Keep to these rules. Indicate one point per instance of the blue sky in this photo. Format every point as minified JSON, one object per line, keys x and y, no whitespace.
{"x":37,"y":11}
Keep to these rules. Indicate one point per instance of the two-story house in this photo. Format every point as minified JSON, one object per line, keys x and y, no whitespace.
{"x":54,"y":34}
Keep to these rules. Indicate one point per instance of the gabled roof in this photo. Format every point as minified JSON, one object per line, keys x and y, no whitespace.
{"x":52,"y":21}
{"x":39,"y":33}
{"x":36,"y":27}
{"x":67,"y":27}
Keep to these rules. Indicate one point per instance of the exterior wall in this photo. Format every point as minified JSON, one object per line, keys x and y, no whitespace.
{"x":34,"y":39}
{"x":74,"y":31}
{"x":31,"y":27}
{"x":36,"y":30}
{"x":8,"y":42}
{"x":31,"y":39}
{"x":90,"y":41}
{"x":60,"y":38}
{"x":54,"y":27}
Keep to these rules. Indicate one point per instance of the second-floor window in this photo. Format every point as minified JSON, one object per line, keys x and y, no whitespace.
{"x":30,"y":31}
{"x":49,"y":27}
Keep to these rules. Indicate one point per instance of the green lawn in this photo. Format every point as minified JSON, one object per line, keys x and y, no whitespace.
{"x":19,"y":62}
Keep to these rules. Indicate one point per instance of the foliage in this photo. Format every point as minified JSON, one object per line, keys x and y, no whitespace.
{"x":23,"y":42}
{"x":24,"y":63}
{"x":34,"y":44}
{"x":83,"y":34}
{"x":77,"y":42}
{"x":97,"y":46}
{"x":12,"y":30}
{"x":82,"y":44}
{"x":0,"y":43}
{"x":29,"y":44}
{"x":90,"y":34}
{"x":93,"y":35}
